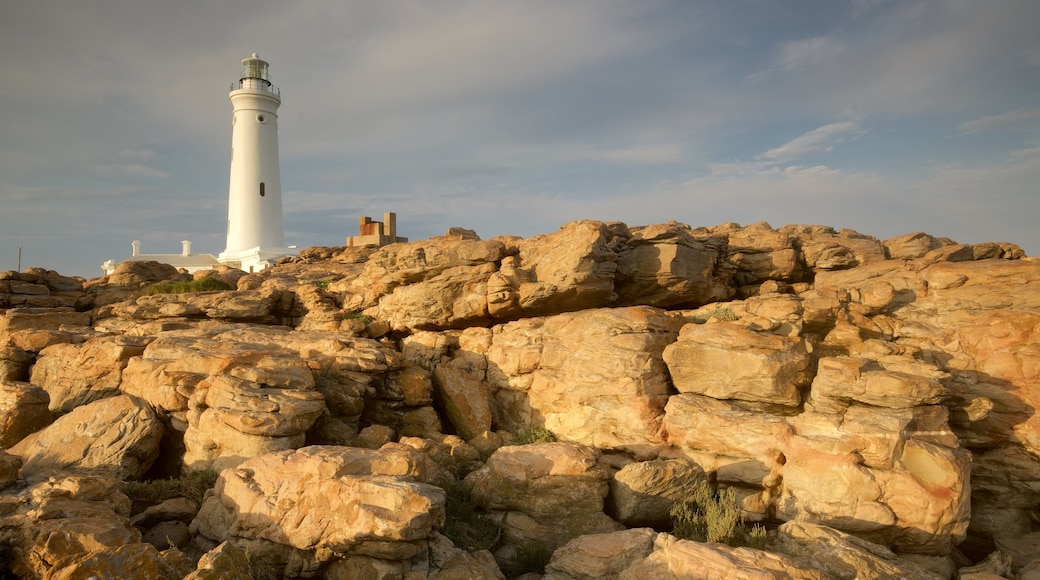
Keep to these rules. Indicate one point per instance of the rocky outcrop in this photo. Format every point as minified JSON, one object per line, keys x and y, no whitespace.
{"x":871,"y":403}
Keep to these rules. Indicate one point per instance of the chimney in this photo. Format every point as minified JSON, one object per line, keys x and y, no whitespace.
{"x":185,"y":248}
{"x":136,"y":248}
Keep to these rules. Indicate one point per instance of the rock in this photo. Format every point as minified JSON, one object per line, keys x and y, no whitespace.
{"x":15,"y":363}
{"x":667,"y":266}
{"x":596,"y":556}
{"x":568,"y":270}
{"x":595,"y":377}
{"x":136,"y":274}
{"x":327,"y":502}
{"x":23,"y":410}
{"x":181,"y":509}
{"x":42,"y":319}
{"x":224,"y":562}
{"x":165,"y":535}
{"x":729,"y":361}
{"x":675,"y":558}
{"x":52,"y":524}
{"x":760,"y":253}
{"x":911,"y":246}
{"x":840,"y":380}
{"x":643,"y":493}
{"x":841,"y":555}
{"x":824,"y":249}
{"x":553,"y":492}
{"x":461,"y":388}
{"x":119,"y":434}
{"x":9,"y":467}
{"x":77,"y":374}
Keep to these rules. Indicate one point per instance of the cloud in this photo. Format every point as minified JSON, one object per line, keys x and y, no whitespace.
{"x":808,"y":52}
{"x":1010,"y":119}
{"x":820,"y":139}
{"x":132,"y":170}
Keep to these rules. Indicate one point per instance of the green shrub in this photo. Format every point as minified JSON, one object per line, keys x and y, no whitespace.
{"x":466,"y":527}
{"x":534,"y":435}
{"x":206,"y":284}
{"x":706,"y":516}
{"x":359,"y":316}
{"x":191,"y":485}
{"x":719,"y":312}
{"x":530,"y":557}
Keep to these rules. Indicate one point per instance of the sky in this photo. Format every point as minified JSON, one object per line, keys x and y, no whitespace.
{"x":514,"y":117}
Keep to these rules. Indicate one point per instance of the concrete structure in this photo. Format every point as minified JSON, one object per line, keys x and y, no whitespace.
{"x":255,"y":235}
{"x":184,"y":260}
{"x":372,"y":233}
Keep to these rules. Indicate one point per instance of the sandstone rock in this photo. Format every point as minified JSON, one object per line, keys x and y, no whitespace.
{"x":911,"y":246}
{"x":840,"y":380}
{"x":568,"y":270}
{"x":666,"y":266}
{"x":595,"y":377}
{"x":224,"y":562}
{"x":136,"y":274}
{"x":41,"y":319}
{"x":261,"y":307}
{"x":643,"y":493}
{"x":325,"y":501}
{"x":77,"y":374}
{"x":9,"y":467}
{"x":23,"y":410}
{"x":841,"y":555}
{"x":15,"y":363}
{"x":674,"y":558}
{"x":461,"y":388}
{"x":53,"y":524}
{"x":119,"y":434}
{"x":595,"y":556}
{"x":553,"y":492}
{"x":824,"y":249}
{"x":729,"y":361}
{"x":760,"y":253}
{"x":133,"y":561}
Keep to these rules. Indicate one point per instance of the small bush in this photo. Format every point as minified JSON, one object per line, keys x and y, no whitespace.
{"x":192,"y":485}
{"x":714,"y":517}
{"x":535,"y":435}
{"x":206,"y":284}
{"x":359,"y":316}
{"x":719,"y":312}
{"x":465,"y":526}
{"x":530,"y":557}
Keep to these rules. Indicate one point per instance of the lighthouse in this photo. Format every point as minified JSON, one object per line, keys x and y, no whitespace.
{"x":255,"y":235}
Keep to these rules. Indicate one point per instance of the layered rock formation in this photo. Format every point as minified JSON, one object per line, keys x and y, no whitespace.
{"x":872,"y":403}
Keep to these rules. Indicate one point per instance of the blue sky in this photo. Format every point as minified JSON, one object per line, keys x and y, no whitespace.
{"x":517,"y":116}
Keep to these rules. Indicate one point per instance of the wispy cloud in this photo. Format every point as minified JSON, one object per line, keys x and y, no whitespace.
{"x":1001,"y":121}
{"x":131,"y":169}
{"x":820,"y":139}
{"x":809,"y":51}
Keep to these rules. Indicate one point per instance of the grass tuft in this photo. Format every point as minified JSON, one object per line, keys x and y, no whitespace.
{"x":528,"y":558}
{"x":535,"y":435}
{"x":192,"y":485}
{"x":466,"y":527}
{"x":707,"y":516}
{"x":206,"y":284}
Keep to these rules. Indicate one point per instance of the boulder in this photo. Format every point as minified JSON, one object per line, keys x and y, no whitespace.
{"x":23,"y":410}
{"x":77,"y":374}
{"x":551,"y":492}
{"x":136,"y":274}
{"x":731,"y":361}
{"x":675,"y":558}
{"x":840,"y":555}
{"x":131,"y":561}
{"x":644,"y":492}
{"x":596,"y":556}
{"x":667,"y":266}
{"x":324,"y":502}
{"x":119,"y":435}
{"x":595,"y":376}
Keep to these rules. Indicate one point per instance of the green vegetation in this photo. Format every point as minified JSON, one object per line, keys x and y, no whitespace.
{"x":206,"y":284}
{"x":535,"y":435}
{"x":323,"y":285}
{"x":719,"y":312}
{"x":530,"y":557}
{"x":359,"y":316}
{"x":714,"y":517}
{"x":191,"y":485}
{"x":466,"y":527}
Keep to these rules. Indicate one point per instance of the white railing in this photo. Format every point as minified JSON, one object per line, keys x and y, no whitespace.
{"x":255,"y":84}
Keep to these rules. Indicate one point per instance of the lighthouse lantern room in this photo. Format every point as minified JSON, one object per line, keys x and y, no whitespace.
{"x":255,"y":234}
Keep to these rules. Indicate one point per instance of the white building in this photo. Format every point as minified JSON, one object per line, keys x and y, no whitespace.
{"x":182,"y":261}
{"x":255,"y":236}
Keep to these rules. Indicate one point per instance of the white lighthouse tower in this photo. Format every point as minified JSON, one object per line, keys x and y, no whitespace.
{"x":255,"y":236}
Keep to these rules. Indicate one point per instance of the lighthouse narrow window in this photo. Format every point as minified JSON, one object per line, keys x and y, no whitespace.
{"x":261,"y":189}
